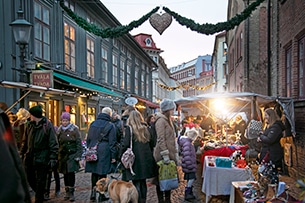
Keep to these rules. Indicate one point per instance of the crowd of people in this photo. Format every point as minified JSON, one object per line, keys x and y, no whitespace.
{"x":38,"y":149}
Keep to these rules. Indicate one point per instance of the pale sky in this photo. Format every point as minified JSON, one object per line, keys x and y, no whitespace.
{"x":179,"y":44}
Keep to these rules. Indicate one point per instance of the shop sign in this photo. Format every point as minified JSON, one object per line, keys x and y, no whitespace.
{"x":42,"y":78}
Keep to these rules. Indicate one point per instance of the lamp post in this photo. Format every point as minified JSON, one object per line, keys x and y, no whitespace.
{"x":22,"y":30}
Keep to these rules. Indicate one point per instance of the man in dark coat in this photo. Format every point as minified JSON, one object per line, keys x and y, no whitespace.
{"x":13,"y":184}
{"x":103,"y":132}
{"x":40,"y":150}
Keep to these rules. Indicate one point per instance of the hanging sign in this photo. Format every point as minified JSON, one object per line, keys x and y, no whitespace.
{"x":160,"y":22}
{"x":42,"y":78}
{"x":131,"y":101}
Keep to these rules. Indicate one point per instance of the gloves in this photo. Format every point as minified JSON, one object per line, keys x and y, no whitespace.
{"x":165,"y":156}
{"x":166,"y":159}
{"x":52,"y":163}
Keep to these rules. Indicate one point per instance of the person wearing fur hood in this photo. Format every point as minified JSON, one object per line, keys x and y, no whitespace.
{"x":70,"y":153}
{"x":165,"y":148}
{"x":188,"y":160}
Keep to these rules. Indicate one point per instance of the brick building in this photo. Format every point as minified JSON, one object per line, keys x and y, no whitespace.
{"x":266,"y":55}
{"x":291,"y":68}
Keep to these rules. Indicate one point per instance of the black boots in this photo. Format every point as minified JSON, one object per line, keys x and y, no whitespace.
{"x":67,"y":195}
{"x":93,"y":195}
{"x":189,"y":194}
{"x":167,"y":196}
{"x":72,"y":198}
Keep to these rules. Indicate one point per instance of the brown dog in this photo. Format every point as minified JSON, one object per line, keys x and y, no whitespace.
{"x":119,"y":191}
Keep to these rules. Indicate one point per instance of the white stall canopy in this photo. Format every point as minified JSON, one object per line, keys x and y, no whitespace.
{"x":223,"y":104}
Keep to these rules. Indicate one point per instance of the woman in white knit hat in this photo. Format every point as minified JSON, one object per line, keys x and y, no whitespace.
{"x":166,"y":141}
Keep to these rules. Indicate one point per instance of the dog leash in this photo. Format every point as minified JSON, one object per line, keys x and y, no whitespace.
{"x":116,"y":171}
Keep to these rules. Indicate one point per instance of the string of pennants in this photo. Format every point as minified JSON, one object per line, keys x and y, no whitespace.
{"x":186,"y":87}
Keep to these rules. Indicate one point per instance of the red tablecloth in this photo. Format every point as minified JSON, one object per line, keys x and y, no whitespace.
{"x":224,"y":151}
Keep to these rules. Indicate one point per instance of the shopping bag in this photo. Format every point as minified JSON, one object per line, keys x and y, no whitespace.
{"x":168,"y":175}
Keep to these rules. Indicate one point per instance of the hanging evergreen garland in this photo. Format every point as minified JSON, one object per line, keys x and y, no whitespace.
{"x":186,"y":87}
{"x":109,"y":32}
{"x":209,"y":28}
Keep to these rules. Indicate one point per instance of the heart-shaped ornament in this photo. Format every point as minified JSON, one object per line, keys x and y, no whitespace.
{"x":160,"y":22}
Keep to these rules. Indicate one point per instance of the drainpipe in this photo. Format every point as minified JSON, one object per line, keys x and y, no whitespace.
{"x":269,"y":48}
{"x":247,"y":52}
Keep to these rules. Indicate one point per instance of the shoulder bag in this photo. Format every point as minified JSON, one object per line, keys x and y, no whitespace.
{"x":91,"y":152}
{"x":128,"y":156}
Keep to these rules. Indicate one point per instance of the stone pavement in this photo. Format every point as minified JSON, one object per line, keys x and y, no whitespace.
{"x":83,"y":190}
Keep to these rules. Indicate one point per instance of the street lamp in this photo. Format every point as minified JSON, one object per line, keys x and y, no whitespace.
{"x":22,"y":30}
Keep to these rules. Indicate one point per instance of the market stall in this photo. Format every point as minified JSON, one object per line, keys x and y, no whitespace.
{"x":223,"y":107}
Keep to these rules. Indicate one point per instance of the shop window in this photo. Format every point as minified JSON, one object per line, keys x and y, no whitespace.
{"x":91,"y":115}
{"x":72,"y":110}
{"x":83,"y":117}
{"x":54,"y":114}
{"x":42,"y":104}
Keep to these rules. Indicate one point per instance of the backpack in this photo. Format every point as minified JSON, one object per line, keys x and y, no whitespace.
{"x":128,"y":156}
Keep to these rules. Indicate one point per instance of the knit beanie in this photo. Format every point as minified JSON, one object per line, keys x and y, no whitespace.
{"x":192,"y":134}
{"x":65,"y":115}
{"x":167,"y":104}
{"x":36,"y":111}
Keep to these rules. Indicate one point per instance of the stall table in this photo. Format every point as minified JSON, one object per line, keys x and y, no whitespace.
{"x":236,"y":195}
{"x":218,"y":180}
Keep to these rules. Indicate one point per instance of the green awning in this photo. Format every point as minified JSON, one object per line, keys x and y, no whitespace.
{"x":86,"y":85}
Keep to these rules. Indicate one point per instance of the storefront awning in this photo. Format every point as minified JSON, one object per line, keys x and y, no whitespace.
{"x":148,"y":103}
{"x":35,"y":88}
{"x":86,"y":85}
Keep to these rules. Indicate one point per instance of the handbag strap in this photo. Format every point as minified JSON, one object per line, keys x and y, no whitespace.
{"x":104,"y":132}
{"x":130,"y":137}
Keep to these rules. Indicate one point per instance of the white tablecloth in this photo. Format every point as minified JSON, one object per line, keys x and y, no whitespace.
{"x":218,"y":181}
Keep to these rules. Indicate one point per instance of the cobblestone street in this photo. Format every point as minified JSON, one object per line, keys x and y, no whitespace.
{"x":83,"y":190}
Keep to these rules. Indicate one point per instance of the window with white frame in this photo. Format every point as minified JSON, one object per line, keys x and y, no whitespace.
{"x":123,"y":48}
{"x":115,"y":43}
{"x":122,"y":73}
{"x":70,"y":4}
{"x":69,"y":46}
{"x":224,"y":69}
{"x":136,"y":80}
{"x":147,"y":85}
{"x":104,"y":64}
{"x":143,"y":82}
{"x":128,"y":77}
{"x":114,"y":70}
{"x":90,"y":57}
{"x":42,"y":31}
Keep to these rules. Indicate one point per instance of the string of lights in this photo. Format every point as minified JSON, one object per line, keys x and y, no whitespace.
{"x":186,"y":87}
